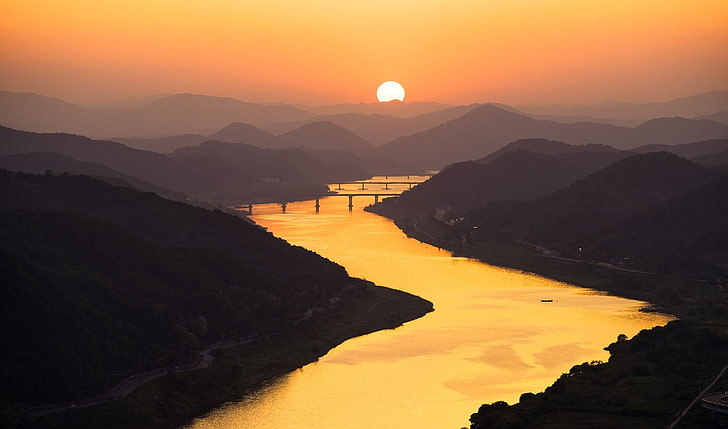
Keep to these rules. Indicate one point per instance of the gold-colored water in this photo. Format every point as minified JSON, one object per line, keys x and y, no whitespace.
{"x":490,"y":337}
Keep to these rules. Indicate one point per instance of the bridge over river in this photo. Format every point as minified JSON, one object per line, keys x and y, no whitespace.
{"x":357,"y":188}
{"x":317,"y":200}
{"x":363,"y":183}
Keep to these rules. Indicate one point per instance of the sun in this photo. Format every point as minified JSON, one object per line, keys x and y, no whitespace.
{"x":390,"y":90}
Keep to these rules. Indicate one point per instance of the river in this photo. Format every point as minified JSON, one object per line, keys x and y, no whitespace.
{"x":490,"y":337}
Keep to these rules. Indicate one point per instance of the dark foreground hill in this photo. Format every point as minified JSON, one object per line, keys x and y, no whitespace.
{"x":102,"y":281}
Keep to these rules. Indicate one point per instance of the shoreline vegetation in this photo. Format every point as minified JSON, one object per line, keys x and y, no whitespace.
{"x":648,"y":380}
{"x":177,"y":398}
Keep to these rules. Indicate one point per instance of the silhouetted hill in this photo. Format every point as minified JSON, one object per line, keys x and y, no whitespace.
{"x":38,"y":113}
{"x":678,"y":235}
{"x":519,"y":175}
{"x":99,"y":279}
{"x":677,"y":130}
{"x":398,"y":109}
{"x":546,"y":147}
{"x":179,"y":174}
{"x":191,"y":113}
{"x":286,"y":165}
{"x":719,"y":159}
{"x":721,"y":117}
{"x":487,"y":128}
{"x":379,"y":129}
{"x":688,"y":107}
{"x":644,"y":384}
{"x":470,"y":136}
{"x":213,"y":171}
{"x":161,"y":144}
{"x":130,"y":102}
{"x":324,"y":135}
{"x":58,"y":163}
{"x":687,"y":150}
{"x":580,"y":214}
{"x":238,"y":132}
{"x":168,"y":116}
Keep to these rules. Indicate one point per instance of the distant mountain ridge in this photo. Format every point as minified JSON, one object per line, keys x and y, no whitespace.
{"x":546,"y":147}
{"x":171,"y":115}
{"x":287,"y":165}
{"x":693,"y":106}
{"x":239,"y":132}
{"x":213,"y":171}
{"x":687,"y":150}
{"x":488,"y":128}
{"x":394,"y":108}
{"x":378,"y":129}
{"x":161,"y":144}
{"x":325,"y":135}
{"x":171,"y":173}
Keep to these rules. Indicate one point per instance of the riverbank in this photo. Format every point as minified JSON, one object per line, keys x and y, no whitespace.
{"x":175,"y":399}
{"x":674,"y":294}
{"x":648,"y":379}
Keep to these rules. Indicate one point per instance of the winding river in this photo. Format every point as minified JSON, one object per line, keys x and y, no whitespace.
{"x":490,"y":337}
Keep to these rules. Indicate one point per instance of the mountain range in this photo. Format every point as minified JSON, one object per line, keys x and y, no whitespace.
{"x":211,"y":171}
{"x":171,"y":115}
{"x":378,"y":129}
{"x":652,"y":211}
{"x":310,"y":135}
{"x":487,"y":128}
{"x":378,"y":123}
{"x":518,"y":174}
{"x":700,"y":106}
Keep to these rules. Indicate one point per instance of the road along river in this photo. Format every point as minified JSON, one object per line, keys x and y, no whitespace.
{"x":491,"y":337}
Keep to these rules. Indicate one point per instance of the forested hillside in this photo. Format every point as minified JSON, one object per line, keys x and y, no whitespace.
{"x":102,"y":280}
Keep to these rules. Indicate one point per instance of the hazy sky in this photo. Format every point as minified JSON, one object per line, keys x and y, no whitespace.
{"x":338,"y":51}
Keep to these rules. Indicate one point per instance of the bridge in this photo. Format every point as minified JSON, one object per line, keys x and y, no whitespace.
{"x":386,"y":184}
{"x":350,"y":196}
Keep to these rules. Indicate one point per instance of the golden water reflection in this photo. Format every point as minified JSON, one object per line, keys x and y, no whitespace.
{"x":490,"y":337}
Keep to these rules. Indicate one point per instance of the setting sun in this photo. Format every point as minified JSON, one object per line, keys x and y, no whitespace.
{"x":390,"y":90}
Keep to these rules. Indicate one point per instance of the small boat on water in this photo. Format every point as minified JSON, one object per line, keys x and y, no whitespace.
{"x":547,"y":300}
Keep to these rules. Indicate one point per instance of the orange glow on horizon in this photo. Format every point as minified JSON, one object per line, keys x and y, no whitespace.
{"x":336,"y":52}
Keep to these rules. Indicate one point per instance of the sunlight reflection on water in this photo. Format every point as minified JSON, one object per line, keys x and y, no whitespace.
{"x":490,"y":338}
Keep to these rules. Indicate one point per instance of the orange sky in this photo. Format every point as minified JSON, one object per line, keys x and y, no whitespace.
{"x":334,"y":51}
